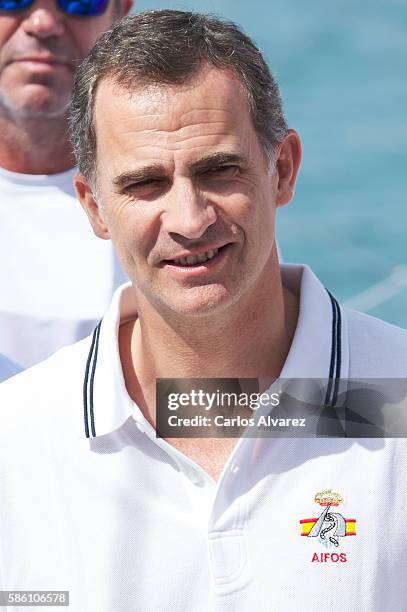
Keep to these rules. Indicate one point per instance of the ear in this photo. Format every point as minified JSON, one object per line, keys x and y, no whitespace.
{"x":125,"y":7}
{"x":95,"y":215}
{"x":287,"y":164}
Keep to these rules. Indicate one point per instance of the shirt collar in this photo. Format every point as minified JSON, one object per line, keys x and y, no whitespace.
{"x":311,"y":349}
{"x":106,"y":401}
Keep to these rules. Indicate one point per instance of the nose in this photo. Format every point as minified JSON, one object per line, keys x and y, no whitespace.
{"x":188,"y":212}
{"x":45,"y":20}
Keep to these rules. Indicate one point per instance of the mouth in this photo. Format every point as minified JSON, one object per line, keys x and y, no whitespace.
{"x":43,"y":62}
{"x":199,"y":261}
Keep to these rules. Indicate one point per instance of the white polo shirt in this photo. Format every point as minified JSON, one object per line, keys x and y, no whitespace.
{"x":126,"y":522}
{"x":57,"y":278}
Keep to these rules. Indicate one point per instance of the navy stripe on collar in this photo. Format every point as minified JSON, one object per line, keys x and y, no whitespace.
{"x":88,"y":383}
{"x":331,"y":396}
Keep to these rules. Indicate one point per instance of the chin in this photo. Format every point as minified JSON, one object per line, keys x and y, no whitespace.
{"x":38,"y":102}
{"x":202,"y":301}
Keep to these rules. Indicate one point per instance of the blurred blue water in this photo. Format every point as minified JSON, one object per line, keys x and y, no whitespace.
{"x":341,"y":67}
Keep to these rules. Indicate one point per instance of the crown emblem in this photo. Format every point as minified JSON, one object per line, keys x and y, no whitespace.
{"x":328,"y":498}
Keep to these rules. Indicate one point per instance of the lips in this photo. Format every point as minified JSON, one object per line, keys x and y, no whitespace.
{"x":45,"y":60}
{"x":194,"y":259}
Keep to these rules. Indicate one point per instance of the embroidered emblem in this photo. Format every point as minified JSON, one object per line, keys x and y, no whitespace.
{"x":329,"y":526}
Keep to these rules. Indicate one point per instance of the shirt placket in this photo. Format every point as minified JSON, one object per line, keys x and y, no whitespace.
{"x":227,"y":540}
{"x":223,"y":508}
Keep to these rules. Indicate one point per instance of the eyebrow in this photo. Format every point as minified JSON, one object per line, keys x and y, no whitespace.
{"x":217,"y":159}
{"x":203,"y":164}
{"x":139,"y":174}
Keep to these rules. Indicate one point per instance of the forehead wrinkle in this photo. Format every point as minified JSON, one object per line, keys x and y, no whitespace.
{"x":158,"y":136}
{"x":171,"y":121}
{"x":162,"y":141}
{"x":184,"y":115}
{"x":206,"y":128}
{"x":202,"y":116}
{"x":169,"y":134}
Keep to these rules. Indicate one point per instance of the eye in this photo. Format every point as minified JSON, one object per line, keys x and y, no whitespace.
{"x":145,"y":185}
{"x":222,"y":172}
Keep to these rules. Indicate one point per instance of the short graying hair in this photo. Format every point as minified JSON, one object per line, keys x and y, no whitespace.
{"x":170,"y":47}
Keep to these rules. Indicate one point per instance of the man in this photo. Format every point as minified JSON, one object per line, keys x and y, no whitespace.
{"x":50,"y":294}
{"x":185,"y":155}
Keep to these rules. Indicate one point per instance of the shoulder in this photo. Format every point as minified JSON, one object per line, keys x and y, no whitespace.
{"x":46,"y":396}
{"x":376,"y":348}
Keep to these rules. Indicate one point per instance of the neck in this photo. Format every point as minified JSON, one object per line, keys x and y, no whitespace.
{"x":250,"y":340}
{"x":35,"y":146}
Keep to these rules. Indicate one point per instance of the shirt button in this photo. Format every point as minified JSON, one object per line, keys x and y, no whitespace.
{"x":194,"y":477}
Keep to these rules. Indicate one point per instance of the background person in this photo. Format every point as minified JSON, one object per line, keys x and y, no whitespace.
{"x":185,"y":156}
{"x":56,"y":278}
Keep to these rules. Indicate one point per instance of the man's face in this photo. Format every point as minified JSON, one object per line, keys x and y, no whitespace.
{"x":182,"y":178}
{"x":39,"y":50}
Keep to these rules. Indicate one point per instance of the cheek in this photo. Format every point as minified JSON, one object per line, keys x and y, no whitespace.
{"x":85,"y":32}
{"x":257,"y":220}
{"x":253,"y":212}
{"x":8,"y":29}
{"x":133,"y":230}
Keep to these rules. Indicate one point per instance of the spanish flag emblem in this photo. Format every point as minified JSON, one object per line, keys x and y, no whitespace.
{"x":330,"y":525}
